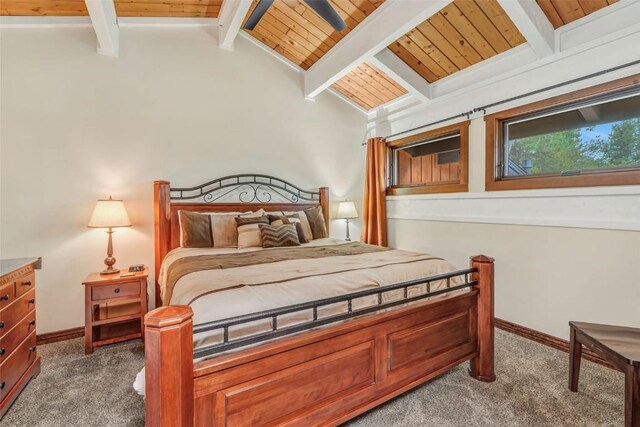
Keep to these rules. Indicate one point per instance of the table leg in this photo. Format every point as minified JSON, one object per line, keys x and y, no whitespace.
{"x":575,"y":354}
{"x":632,"y":397}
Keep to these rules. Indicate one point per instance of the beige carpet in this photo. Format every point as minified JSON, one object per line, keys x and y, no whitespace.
{"x":531,"y":390}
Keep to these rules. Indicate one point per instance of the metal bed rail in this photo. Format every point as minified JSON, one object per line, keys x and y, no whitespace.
{"x":275,"y":332}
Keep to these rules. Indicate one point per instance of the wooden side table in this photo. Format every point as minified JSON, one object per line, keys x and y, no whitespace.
{"x":618,"y":345}
{"x":114,"y":308}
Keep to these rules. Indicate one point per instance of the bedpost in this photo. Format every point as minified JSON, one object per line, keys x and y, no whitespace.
{"x":162,"y":228}
{"x":324,"y":203}
{"x":169,"y":366}
{"x":482,"y":366}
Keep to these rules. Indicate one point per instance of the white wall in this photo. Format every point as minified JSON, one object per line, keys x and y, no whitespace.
{"x":77,"y":126}
{"x":565,"y":254}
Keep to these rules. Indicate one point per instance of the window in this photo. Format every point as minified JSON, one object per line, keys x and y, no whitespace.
{"x":431,"y":162}
{"x":587,"y":138}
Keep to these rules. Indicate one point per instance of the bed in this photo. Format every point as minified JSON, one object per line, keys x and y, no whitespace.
{"x":308,"y":335}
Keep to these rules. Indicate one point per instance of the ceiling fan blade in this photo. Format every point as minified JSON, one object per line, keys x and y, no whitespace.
{"x":256,"y":15}
{"x":328,"y":13}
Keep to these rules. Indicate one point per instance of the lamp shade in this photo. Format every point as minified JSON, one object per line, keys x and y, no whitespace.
{"x":109,"y":213}
{"x":347,"y":210}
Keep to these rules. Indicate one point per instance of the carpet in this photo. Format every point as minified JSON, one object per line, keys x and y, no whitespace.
{"x":530,"y":390}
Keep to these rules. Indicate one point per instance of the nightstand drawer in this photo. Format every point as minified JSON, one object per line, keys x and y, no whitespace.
{"x":17,"y":363}
{"x":17,"y":310}
{"x":115,"y":291}
{"x":12,"y":338}
{"x":25,"y":283}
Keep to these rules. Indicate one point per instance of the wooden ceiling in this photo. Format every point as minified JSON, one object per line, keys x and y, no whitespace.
{"x":368,"y":87}
{"x":562,"y":12}
{"x":298,"y":33}
{"x":146,"y":8}
{"x":464,"y":33}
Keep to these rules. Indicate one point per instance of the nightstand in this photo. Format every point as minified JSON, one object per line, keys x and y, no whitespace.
{"x":114,"y":308}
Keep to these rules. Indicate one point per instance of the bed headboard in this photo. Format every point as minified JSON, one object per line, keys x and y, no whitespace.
{"x":236,"y":193}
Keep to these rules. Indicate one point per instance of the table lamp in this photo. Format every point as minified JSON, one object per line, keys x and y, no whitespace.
{"x":109,"y":214}
{"x":347,"y":210}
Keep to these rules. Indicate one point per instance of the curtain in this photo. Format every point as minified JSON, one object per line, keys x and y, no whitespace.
{"x":374,"y":211}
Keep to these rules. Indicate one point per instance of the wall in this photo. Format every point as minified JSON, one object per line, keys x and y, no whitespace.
{"x":77,"y":126}
{"x":566,"y":254}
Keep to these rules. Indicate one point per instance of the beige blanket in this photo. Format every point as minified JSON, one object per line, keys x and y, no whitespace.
{"x":261,"y":281}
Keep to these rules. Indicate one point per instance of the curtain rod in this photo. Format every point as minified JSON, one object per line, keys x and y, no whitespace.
{"x":514,"y":98}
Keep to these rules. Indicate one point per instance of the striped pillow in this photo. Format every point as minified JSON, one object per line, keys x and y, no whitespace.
{"x":290,"y":219}
{"x":274,"y":236}
{"x":249,"y":231}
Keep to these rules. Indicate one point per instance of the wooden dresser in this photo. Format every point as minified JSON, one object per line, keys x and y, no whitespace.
{"x":19,"y":361}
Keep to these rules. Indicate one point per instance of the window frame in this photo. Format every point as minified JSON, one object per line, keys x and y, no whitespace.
{"x":461,"y":186}
{"x":494,"y":141}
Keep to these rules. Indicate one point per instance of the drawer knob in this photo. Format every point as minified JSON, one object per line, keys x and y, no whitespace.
{"x":32,"y":323}
{"x":32,"y":301}
{"x":4,"y":298}
{"x":2,"y":351}
{"x":32,"y":349}
{"x":1,"y":325}
{"x":1,"y":385}
{"x":28,"y":283}
{"x":116,"y":290}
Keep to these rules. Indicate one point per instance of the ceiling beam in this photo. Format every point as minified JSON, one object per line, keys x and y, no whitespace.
{"x":105,"y":23}
{"x":533,"y":24}
{"x":404,"y":75}
{"x":230,"y":19}
{"x":386,"y":24}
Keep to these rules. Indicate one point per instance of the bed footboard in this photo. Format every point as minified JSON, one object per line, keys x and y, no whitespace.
{"x":321,"y":377}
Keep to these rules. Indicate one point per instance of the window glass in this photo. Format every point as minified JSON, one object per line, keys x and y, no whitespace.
{"x":599,"y":135}
{"x":431,"y":161}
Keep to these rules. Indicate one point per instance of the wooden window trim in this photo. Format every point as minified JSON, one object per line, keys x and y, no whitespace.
{"x":590,"y":179}
{"x":460,"y":186}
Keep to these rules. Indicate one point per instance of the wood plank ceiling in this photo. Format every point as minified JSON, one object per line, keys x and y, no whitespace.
{"x":146,"y":8}
{"x":369,"y":87}
{"x":562,"y":12}
{"x":295,"y":31}
{"x":462,"y":34}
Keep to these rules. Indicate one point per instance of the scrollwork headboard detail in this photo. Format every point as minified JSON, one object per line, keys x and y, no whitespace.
{"x":234,"y":193}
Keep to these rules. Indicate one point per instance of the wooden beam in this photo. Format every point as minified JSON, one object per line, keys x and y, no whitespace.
{"x":398,"y":70}
{"x":230,"y":19}
{"x":105,"y":23}
{"x":387,"y":23}
{"x":534,"y":25}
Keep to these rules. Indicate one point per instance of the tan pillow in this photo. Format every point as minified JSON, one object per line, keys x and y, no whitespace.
{"x":210,"y":229}
{"x":275,"y":236}
{"x":308,"y":235}
{"x":249,"y":231}
{"x":316,"y":222}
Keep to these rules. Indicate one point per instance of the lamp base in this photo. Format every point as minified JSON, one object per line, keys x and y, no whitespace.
{"x":109,"y":271}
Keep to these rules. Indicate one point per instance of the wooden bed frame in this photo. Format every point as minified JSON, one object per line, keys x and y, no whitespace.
{"x":320,"y":377}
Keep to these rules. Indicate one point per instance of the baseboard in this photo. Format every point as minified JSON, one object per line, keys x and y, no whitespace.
{"x":549,"y":340}
{"x":56,"y":336}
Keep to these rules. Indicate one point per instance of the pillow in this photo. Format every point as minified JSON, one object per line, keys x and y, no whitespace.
{"x":308,"y":235}
{"x":275,"y":236}
{"x":249,"y":231}
{"x":208,"y":230}
{"x":289,"y":219}
{"x":316,"y":222}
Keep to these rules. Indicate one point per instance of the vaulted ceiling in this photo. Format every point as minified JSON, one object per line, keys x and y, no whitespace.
{"x":416,"y":45}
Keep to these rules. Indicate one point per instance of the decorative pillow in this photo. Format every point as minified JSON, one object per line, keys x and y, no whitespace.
{"x":249,"y":231}
{"x":308,"y":235}
{"x":275,"y":236}
{"x":316,"y":222}
{"x":209,"y":230}
{"x":289,"y":219}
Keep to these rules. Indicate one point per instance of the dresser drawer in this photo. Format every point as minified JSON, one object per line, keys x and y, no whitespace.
{"x":17,"y":310}
{"x":7,"y":294}
{"x":16,"y":364}
{"x":25,"y":283}
{"x":12,"y":338}
{"x":115,"y":291}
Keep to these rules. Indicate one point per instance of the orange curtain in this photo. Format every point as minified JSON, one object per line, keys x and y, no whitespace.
{"x":374,"y":211}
